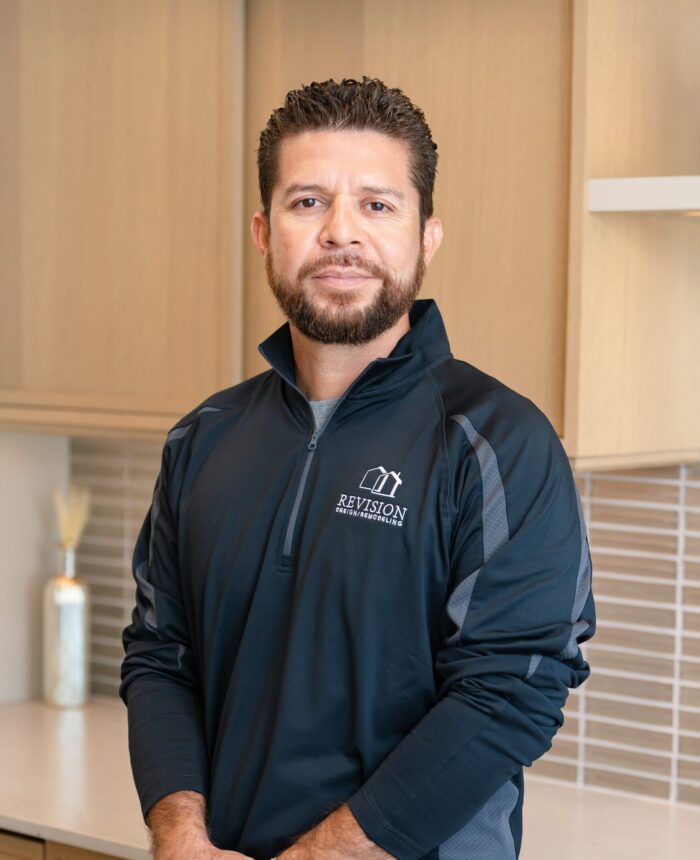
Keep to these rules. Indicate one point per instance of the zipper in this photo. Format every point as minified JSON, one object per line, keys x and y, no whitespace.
{"x":287,"y":549}
{"x":288,"y":538}
{"x":288,"y":546}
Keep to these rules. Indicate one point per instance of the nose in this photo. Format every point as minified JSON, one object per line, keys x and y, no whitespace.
{"x":341,"y":225}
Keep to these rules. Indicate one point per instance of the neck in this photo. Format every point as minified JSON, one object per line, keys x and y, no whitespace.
{"x":326,"y":370}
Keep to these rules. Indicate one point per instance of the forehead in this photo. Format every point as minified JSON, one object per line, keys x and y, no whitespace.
{"x":344,"y":159}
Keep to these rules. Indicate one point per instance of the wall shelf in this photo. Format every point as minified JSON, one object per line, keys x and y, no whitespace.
{"x":645,"y":194}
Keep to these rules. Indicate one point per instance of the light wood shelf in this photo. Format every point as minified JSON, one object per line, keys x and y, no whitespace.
{"x":645,"y":194}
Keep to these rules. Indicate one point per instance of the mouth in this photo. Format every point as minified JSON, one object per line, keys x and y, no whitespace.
{"x":343,"y":277}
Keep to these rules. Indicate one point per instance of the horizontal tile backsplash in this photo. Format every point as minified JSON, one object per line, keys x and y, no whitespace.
{"x":634,"y":726}
{"x":121,"y":477}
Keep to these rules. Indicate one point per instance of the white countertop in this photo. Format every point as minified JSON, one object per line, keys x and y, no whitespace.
{"x":66,"y":776}
{"x":563,"y":822}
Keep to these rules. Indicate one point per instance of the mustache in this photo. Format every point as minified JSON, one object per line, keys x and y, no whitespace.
{"x":342,"y":260}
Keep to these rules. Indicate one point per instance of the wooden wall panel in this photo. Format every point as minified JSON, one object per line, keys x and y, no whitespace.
{"x":494,"y":82}
{"x":633,"y":378}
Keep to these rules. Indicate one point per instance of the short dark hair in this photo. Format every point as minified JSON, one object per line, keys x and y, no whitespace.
{"x":358,"y":105}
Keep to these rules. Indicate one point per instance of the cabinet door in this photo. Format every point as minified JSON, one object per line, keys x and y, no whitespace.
{"x":20,"y":847}
{"x":116,"y":198}
{"x":58,"y":851}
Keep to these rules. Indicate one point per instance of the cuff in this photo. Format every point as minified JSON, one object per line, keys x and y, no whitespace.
{"x":150,"y":795}
{"x":379,"y":831}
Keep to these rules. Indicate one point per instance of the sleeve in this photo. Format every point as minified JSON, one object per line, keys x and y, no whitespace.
{"x":518,"y":605}
{"x":159,"y":680}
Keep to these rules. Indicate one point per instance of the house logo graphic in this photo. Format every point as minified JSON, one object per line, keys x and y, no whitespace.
{"x":380,"y":482}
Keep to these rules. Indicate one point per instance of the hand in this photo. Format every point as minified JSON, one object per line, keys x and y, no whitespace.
{"x":337,"y":837}
{"x":178,"y":830}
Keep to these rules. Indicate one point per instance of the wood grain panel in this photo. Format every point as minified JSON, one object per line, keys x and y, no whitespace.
{"x":633,"y":376}
{"x":288,"y":45}
{"x":58,"y":851}
{"x":120,"y":288}
{"x":494,"y":82}
{"x":20,"y":848}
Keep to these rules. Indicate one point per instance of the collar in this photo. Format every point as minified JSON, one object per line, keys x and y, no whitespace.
{"x":423,"y":345}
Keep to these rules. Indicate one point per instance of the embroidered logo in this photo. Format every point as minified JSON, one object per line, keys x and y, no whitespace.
{"x":380,"y":482}
{"x":376,"y":480}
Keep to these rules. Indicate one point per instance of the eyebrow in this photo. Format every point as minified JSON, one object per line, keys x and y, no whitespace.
{"x":370,"y":189}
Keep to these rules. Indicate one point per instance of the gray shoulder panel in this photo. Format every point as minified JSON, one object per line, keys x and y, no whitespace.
{"x":494,"y":519}
{"x":583,"y":586}
{"x":179,"y":432}
{"x":149,"y":594}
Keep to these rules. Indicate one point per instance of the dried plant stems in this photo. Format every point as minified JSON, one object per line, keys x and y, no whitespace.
{"x":73,"y":510}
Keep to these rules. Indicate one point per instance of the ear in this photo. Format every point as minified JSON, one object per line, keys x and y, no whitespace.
{"x":432,"y":237}
{"x":260,"y":231}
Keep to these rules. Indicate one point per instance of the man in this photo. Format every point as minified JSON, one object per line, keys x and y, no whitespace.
{"x":364,"y":577}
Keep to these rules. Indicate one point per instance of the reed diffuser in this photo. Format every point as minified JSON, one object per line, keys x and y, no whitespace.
{"x":66,"y":608}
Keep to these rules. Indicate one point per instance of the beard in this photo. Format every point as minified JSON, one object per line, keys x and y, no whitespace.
{"x":334,"y":318}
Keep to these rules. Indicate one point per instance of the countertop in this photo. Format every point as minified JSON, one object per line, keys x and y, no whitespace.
{"x":66,"y":776}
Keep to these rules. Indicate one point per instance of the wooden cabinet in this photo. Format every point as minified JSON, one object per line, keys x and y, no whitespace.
{"x":125,"y":199}
{"x":58,"y":851}
{"x":594,"y":317}
{"x":633,"y":336}
{"x":493,"y":80}
{"x":15,"y":847}
{"x":118,"y":282}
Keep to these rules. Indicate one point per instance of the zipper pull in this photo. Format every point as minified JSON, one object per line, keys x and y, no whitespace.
{"x":312,"y":444}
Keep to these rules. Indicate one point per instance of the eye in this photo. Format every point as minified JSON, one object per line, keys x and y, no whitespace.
{"x":378,"y":203}
{"x":304,"y":201}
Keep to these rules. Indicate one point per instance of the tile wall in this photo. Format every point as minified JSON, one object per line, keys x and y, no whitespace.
{"x":121,"y":477}
{"x":633,"y":727}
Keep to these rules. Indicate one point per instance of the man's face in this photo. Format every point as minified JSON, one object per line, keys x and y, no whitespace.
{"x":343,"y":251}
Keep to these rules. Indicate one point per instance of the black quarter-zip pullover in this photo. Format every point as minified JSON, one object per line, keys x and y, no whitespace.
{"x":386,"y":611}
